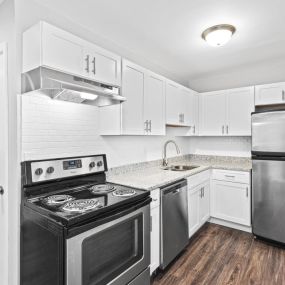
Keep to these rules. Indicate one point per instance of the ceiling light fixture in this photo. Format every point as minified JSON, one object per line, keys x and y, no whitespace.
{"x":218,"y":35}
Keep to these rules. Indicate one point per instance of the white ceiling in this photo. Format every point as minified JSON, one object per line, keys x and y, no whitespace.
{"x":168,"y":33}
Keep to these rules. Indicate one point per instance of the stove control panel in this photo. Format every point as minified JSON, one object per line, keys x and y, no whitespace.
{"x":62,"y":168}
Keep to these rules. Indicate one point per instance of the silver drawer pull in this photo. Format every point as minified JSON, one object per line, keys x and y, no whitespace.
{"x":154,"y":200}
{"x":87,"y":63}
{"x":230,"y":176}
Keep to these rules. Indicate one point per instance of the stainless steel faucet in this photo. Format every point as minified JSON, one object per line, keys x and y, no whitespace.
{"x":164,"y":160}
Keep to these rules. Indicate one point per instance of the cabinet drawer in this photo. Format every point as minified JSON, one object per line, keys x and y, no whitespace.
{"x":231,"y":176}
{"x":198,"y":179}
{"x":155,"y":195}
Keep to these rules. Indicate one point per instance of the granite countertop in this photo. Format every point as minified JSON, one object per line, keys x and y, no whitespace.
{"x":149,"y":175}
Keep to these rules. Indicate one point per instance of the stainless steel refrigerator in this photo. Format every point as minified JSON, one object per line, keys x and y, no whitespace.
{"x":268,"y":175}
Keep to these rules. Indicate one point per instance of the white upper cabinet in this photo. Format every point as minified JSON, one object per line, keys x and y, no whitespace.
{"x":212,"y":113}
{"x":194,"y":114}
{"x":173,"y":111}
{"x":185,"y":101}
{"x":178,"y":105}
{"x":227,"y":112}
{"x":133,"y":82}
{"x":101,"y":65}
{"x":49,"y":46}
{"x":240,"y":105}
{"x":270,"y":94}
{"x":143,"y":112}
{"x":154,"y":104}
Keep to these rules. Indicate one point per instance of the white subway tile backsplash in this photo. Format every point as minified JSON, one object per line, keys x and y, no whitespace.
{"x":53,"y":129}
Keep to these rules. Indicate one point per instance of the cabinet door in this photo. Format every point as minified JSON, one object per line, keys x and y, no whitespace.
{"x":231,"y":202}
{"x":194,"y":114}
{"x":205,"y":203}
{"x":155,"y":239}
{"x":132,"y":109}
{"x":270,"y":94}
{"x":212,"y":114}
{"x":102,"y":66}
{"x":185,"y":107}
{"x":61,"y":50}
{"x":154,"y":104}
{"x":240,"y":105}
{"x":110,"y":120}
{"x":194,"y":196}
{"x":172,"y":104}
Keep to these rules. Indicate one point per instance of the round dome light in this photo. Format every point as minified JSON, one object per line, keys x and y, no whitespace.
{"x":218,"y":35}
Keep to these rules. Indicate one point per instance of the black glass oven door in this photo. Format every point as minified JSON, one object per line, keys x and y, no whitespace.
{"x":113,"y":253}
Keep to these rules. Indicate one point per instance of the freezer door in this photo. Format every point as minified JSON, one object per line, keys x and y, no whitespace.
{"x":268,"y":132}
{"x":268,"y":201}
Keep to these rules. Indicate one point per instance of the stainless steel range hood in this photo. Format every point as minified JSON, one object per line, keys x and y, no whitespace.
{"x":62,"y":86}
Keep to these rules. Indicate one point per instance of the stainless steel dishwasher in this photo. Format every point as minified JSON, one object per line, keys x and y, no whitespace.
{"x":174,"y":221}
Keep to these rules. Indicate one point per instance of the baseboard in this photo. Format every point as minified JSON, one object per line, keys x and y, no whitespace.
{"x":230,"y":225}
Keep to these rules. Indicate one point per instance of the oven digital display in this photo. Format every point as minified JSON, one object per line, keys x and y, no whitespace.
{"x":72,"y":164}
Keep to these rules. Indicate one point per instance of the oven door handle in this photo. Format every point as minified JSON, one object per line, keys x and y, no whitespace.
{"x":110,"y":219}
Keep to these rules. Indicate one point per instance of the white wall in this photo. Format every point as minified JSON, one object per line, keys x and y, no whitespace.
{"x":225,"y":146}
{"x":31,"y":11}
{"x":7,"y":34}
{"x":57,"y":129}
{"x":254,"y":74}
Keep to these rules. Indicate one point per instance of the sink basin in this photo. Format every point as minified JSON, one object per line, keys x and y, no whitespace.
{"x":180,"y":167}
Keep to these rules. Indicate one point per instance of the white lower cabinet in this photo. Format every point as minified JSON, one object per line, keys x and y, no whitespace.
{"x":198,"y":202}
{"x":155,"y":231}
{"x":226,"y":200}
{"x":193,"y":211}
{"x":231,"y":197}
{"x":231,"y":202}
{"x":204,"y":211}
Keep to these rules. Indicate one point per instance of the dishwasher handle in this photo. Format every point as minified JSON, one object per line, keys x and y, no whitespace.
{"x":174,"y":188}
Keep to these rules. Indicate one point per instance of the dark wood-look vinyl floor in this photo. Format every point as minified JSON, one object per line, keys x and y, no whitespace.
{"x":218,"y":255}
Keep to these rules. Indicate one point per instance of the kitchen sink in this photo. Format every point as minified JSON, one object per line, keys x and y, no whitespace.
{"x":180,"y":167}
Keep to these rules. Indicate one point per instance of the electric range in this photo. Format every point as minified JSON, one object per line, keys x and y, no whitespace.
{"x":80,"y":227}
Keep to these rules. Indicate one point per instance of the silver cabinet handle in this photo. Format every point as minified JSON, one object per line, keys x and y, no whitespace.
{"x":246,"y":191}
{"x":227,"y":129}
{"x":94,"y":65}
{"x":194,"y":129}
{"x":203,"y":191}
{"x":182,"y":118}
{"x":223,"y":129}
{"x":201,"y":195}
{"x":1,"y":190}
{"x":151,"y":223}
{"x":154,"y":200}
{"x":229,"y":176}
{"x":146,"y":126}
{"x":283,"y":95}
{"x":87,"y":63}
{"x":149,"y":125}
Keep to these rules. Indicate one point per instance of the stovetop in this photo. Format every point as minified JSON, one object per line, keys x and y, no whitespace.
{"x":74,"y":190}
{"x":75,"y":204}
